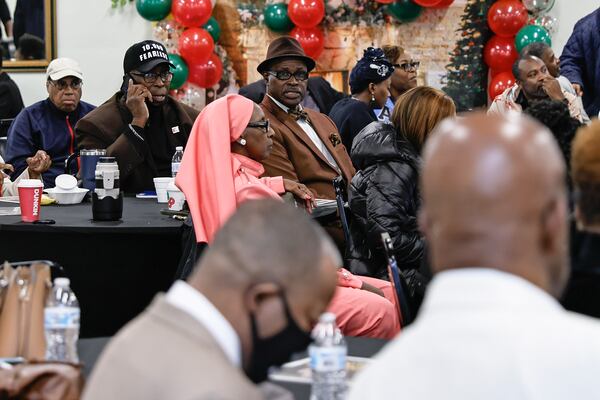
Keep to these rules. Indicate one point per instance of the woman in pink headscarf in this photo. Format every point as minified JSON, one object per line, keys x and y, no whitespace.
{"x":221,"y":164}
{"x":221,"y":168}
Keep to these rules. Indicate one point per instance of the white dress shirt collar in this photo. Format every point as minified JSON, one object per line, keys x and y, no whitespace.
{"x":282,"y":106}
{"x":190,"y":300}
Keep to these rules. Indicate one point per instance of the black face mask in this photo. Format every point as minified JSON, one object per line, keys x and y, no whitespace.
{"x":277,"y":349}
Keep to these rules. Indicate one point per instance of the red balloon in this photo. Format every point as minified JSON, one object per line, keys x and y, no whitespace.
{"x":207,"y":74}
{"x":500,"y":53}
{"x":506,"y":17}
{"x":312,"y":40}
{"x":494,"y":72}
{"x":192,"y":13}
{"x":427,"y":3}
{"x":386,"y":1}
{"x":444,"y":4}
{"x":306,"y":13}
{"x":196,"y":45}
{"x":500,"y":83}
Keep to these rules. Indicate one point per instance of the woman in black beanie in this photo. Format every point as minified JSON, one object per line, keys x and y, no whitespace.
{"x":369,"y":85}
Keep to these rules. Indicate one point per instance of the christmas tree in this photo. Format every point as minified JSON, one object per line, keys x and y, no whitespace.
{"x":466,"y":81}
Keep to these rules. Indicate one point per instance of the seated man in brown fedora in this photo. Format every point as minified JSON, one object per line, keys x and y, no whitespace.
{"x":306,"y":147}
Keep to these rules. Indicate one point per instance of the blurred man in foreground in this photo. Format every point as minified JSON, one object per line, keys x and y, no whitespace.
{"x":249,"y":304}
{"x":490,"y":326}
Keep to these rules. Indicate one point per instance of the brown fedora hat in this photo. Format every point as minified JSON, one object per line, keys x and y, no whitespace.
{"x":285,"y":47}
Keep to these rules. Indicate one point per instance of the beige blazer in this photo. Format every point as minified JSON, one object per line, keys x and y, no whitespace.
{"x":166,"y":354}
{"x":296,"y":157}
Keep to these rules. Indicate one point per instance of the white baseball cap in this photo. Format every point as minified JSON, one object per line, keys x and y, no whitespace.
{"x":61,"y":67}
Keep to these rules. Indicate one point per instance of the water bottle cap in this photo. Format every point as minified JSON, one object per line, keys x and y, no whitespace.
{"x":62,"y":282}
{"x":327,"y":317}
{"x":178,"y":148}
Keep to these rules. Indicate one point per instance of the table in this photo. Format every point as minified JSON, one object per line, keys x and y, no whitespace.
{"x":115,"y":268}
{"x":90,"y":349}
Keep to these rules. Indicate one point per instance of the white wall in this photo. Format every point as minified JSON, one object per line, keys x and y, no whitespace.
{"x":97,"y":36}
{"x":568,"y":13}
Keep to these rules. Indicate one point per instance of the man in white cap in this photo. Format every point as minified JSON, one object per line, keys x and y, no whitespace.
{"x":49,"y":124}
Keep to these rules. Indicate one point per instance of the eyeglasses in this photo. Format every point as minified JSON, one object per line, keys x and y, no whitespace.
{"x":62,"y":84}
{"x":260,"y":124}
{"x":286,"y":75}
{"x":151,"y":77}
{"x":407,"y":66}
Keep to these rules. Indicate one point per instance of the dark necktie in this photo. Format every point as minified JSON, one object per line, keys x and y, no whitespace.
{"x":297,"y":114}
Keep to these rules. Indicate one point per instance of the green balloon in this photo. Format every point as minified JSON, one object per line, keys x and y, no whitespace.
{"x":404,"y":10}
{"x":153,"y":10}
{"x":180,"y":72}
{"x":212,"y":27}
{"x":531,"y":34}
{"x":276,"y":18}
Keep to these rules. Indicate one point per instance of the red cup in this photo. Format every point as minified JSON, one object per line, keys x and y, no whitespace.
{"x":30,"y":196}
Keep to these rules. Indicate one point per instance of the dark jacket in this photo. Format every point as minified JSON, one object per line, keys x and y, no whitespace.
{"x":108,"y":127}
{"x":350,"y":117}
{"x":319,"y":89}
{"x":11,"y":102}
{"x":42,"y":126}
{"x":384,"y":197}
{"x":580,"y":60}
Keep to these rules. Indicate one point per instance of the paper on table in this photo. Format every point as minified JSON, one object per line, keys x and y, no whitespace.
{"x":299,"y":371}
{"x":10,"y":199}
{"x":326,"y":203}
{"x":10,"y":211}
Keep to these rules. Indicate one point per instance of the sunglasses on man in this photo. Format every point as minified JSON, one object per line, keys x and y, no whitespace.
{"x":62,"y":84}
{"x":286,"y":75}
{"x":151,"y":77}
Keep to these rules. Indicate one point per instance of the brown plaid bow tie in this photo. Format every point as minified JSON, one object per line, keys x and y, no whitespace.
{"x":297,"y":114}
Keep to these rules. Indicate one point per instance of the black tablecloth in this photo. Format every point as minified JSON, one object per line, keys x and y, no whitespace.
{"x":90,"y":349}
{"x":139,"y":216}
{"x":115,"y":268}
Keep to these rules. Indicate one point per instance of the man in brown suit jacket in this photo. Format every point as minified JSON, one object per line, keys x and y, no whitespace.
{"x":306,"y":147}
{"x":250,"y":303}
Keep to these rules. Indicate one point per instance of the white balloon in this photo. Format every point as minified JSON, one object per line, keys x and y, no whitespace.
{"x":536,"y":7}
{"x":548,"y":22}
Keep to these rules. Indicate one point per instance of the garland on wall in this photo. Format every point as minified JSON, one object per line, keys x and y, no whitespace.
{"x":306,"y":19}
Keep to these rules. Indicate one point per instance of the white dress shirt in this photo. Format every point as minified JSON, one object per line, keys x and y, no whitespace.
{"x":188,"y":299}
{"x":312,"y":134}
{"x":485,"y":334}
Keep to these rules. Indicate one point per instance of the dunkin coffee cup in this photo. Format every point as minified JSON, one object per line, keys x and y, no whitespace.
{"x":30,"y":196}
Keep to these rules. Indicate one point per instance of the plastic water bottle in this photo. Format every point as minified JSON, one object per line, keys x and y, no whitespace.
{"x":328,"y":360}
{"x":176,"y":160}
{"x":61,"y":322}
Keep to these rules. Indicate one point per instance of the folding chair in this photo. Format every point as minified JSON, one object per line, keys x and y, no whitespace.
{"x":340,"y":197}
{"x":397,"y":281}
{"x":4,"y":126}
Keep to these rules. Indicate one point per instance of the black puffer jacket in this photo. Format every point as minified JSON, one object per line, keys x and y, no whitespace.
{"x":384,"y":197}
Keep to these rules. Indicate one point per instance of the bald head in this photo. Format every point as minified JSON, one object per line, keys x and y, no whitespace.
{"x":269,"y":267}
{"x":494,"y":196}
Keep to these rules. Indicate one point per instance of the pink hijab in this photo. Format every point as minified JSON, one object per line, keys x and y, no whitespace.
{"x":205,"y":174}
